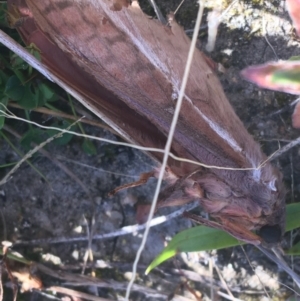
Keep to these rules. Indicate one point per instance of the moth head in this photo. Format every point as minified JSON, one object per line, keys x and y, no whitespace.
{"x":271,"y":234}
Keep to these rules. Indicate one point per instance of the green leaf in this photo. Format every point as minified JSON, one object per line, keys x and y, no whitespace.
{"x":46,"y":91}
{"x":35,"y":51}
{"x":195,"y":239}
{"x":293,"y":222}
{"x":45,"y":94}
{"x":292,"y":216}
{"x":202,"y":238}
{"x":294,"y":58}
{"x":66,"y":138}
{"x":17,"y":63}
{"x":88,"y":147}
{"x":284,"y":77}
{"x":29,"y":100}
{"x":36,"y":136}
{"x":55,"y":97}
{"x":3,"y":80}
{"x":14,"y":89}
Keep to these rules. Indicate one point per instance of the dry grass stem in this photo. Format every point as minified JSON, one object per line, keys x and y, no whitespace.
{"x":49,"y":112}
{"x":52,"y":159}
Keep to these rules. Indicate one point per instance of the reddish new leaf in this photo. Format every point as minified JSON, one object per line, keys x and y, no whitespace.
{"x":280,"y":76}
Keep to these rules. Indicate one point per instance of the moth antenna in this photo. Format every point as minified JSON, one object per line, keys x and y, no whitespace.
{"x":279,"y":260}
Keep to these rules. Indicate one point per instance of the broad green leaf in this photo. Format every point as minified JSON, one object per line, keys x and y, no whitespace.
{"x":293,"y":222}
{"x":46,"y":91}
{"x":66,"y":138}
{"x":195,"y":239}
{"x":41,"y":93}
{"x":46,"y":94}
{"x":3,"y":81}
{"x":202,"y":238}
{"x":36,"y":136}
{"x":55,"y":97}
{"x":29,"y":100}
{"x":292,"y":216}
{"x":14,"y":89}
{"x":88,"y":147}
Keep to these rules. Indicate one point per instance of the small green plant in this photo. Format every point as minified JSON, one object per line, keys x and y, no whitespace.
{"x":24,"y":88}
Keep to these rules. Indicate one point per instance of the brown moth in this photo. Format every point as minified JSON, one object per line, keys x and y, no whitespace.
{"x":128,"y":69}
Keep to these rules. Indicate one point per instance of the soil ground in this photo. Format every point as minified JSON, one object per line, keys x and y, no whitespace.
{"x":35,"y":209}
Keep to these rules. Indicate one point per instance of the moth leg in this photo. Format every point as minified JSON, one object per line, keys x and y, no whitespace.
{"x":144,"y":177}
{"x":233,"y":229}
{"x":179,"y":194}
